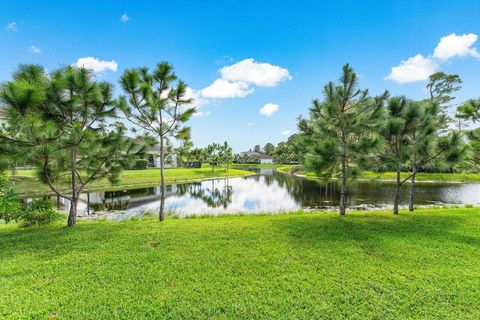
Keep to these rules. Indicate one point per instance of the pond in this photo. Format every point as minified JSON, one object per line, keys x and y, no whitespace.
{"x":267,"y":192}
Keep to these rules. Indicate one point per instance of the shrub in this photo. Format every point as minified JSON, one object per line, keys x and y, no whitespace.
{"x":9,"y":206}
{"x":39,"y":212}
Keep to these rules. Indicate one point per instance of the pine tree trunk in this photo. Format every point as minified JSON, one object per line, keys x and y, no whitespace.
{"x":72,"y":215}
{"x":343,"y":192}
{"x":412,"y":189}
{"x":397,"y":193}
{"x":161,"y":213}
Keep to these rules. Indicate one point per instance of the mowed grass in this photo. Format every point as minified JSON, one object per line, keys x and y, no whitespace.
{"x":391,"y":176}
{"x":25,"y":181}
{"x":370,"y":265}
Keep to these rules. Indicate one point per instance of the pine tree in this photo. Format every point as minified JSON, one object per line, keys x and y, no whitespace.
{"x":340,"y":132}
{"x":157,"y":104}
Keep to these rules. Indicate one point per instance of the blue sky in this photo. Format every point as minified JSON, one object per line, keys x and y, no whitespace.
{"x":272,"y":52}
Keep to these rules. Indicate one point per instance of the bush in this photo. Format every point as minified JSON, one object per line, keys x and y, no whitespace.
{"x":138,"y":164}
{"x":39,"y":212}
{"x":9,"y":206}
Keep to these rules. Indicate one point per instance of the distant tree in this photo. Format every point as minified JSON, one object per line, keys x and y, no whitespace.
{"x":340,"y":130}
{"x":441,"y":86}
{"x":213,"y":154}
{"x":226,"y":155}
{"x":257,"y":148}
{"x":61,"y":122}
{"x":158,"y":106}
{"x":269,"y":149}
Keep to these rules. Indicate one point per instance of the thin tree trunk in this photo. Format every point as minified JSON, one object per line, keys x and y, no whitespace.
{"x":412,"y":189}
{"x":161,"y":213}
{"x":72,"y":216}
{"x":343,"y":192}
{"x":397,"y":192}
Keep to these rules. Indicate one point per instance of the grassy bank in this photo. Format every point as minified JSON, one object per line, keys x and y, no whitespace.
{"x":26,"y":183}
{"x":391,"y":176}
{"x":305,"y":266}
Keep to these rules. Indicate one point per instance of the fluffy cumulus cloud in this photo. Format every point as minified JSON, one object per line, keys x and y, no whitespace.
{"x":237,"y":80}
{"x":124,"y":18}
{"x":418,"y":68}
{"x":253,"y":72}
{"x":34,"y":49}
{"x":269,"y":109}
{"x":413,"y":69}
{"x":222,"y":88}
{"x":98,"y":66}
{"x":286,"y":132}
{"x":452,"y":46}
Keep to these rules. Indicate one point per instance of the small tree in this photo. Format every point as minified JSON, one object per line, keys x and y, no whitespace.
{"x":213,"y":154}
{"x":340,"y":131}
{"x":226,"y":155}
{"x":157,"y":105}
{"x":428,"y":143}
{"x":400,"y":120}
{"x":61,"y":121}
{"x":257,"y":148}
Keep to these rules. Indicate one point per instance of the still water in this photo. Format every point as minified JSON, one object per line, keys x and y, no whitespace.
{"x":268,"y":191}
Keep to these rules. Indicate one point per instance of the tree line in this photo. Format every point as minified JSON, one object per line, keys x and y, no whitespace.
{"x":349,"y":131}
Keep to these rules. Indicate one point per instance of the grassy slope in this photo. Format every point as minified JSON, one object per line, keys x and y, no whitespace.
{"x":26,"y":183}
{"x":363,"y":266}
{"x":391,"y":176}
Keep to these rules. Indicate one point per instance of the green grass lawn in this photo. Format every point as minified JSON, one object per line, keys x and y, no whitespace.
{"x":369,"y":265}
{"x":26,"y":183}
{"x":391,"y":176}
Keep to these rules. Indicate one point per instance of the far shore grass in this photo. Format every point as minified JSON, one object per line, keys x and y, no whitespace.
{"x":25,"y":182}
{"x":366,"y":265}
{"x":391,"y":176}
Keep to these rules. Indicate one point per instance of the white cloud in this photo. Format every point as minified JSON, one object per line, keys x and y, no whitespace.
{"x":34,"y":49}
{"x":452,"y":46}
{"x":269,"y":109}
{"x":124,"y":17}
{"x":98,"y":66}
{"x":252,"y":72}
{"x":413,"y":69}
{"x":222,"y":88}
{"x":286,"y":132}
{"x":419,"y":68}
{"x":201,"y":113}
{"x":12,"y":26}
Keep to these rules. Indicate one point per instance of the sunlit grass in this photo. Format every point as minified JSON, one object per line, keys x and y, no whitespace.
{"x":25,"y":181}
{"x":370,"y":265}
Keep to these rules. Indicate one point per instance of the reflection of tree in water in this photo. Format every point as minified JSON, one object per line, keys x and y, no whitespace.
{"x":218,"y":195}
{"x":306,"y":192}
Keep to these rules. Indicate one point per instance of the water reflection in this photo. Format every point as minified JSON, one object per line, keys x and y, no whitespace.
{"x":268,"y":191}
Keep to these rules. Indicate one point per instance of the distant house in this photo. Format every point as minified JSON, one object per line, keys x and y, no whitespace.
{"x":152,"y":154}
{"x":264,"y":159}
